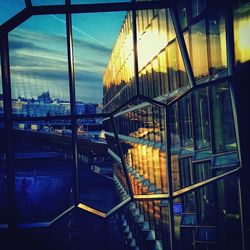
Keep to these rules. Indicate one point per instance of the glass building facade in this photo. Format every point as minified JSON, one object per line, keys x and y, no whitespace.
{"x":175,"y":113}
{"x":174,"y":134}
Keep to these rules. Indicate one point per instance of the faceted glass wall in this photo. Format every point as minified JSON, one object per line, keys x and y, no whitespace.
{"x":160,"y":152}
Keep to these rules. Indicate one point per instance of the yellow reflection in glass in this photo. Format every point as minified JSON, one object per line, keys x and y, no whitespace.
{"x":241,"y":35}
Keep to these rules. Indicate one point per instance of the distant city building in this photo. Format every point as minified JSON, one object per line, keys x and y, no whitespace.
{"x":45,"y":106}
{"x":44,"y":98}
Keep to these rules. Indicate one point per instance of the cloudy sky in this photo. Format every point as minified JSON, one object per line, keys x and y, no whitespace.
{"x":38,"y":54}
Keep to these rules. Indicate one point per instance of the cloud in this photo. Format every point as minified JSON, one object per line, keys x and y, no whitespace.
{"x":80,"y":31}
{"x":39,"y":63}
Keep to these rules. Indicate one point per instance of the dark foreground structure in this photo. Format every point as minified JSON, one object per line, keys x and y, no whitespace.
{"x":176,"y":101}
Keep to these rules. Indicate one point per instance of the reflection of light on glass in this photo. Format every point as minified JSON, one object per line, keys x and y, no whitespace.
{"x":242,"y":40}
{"x":149,"y":45}
{"x":199,"y":52}
{"x":163,"y":166}
{"x":157,"y":170}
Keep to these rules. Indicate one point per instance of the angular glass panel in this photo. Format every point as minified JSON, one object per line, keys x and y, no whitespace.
{"x":151,"y":35}
{"x":202,"y":171}
{"x":163,"y":72}
{"x":223,"y":123}
{"x":202,"y":123}
{"x":212,"y":218}
{"x":3,"y":177}
{"x":39,"y":67}
{"x":198,"y":44}
{"x":202,"y":155}
{"x":142,"y":133}
{"x":241,"y":31}
{"x":184,"y":12}
{"x":94,"y":38}
{"x":185,"y":220}
{"x":198,"y":6}
{"x":147,"y":223}
{"x":174,"y":127}
{"x":47,"y":2}
{"x":177,"y":76}
{"x":43,"y":169}
{"x":172,"y":67}
{"x":170,"y":27}
{"x":102,"y":180}
{"x":186,"y":172}
{"x":217,"y":43}
{"x":185,"y":121}
{"x":8,"y":9}
{"x":225,"y":159}
{"x":118,"y":77}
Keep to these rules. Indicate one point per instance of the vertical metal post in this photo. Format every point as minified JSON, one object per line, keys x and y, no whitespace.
{"x":169,"y":173}
{"x":241,"y":138}
{"x":182,"y":45}
{"x":72,"y":99}
{"x":122,"y":159}
{"x":135,"y":52}
{"x":8,"y":128}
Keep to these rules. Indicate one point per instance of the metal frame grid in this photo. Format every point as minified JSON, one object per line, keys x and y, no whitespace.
{"x":133,"y":6}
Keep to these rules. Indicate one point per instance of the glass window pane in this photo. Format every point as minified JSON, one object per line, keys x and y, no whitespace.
{"x":102,"y":180}
{"x":224,"y":132}
{"x":172,"y":66}
{"x":152,"y":37}
{"x":47,"y":2}
{"x":142,"y":133}
{"x":241,"y":31}
{"x":202,"y":123}
{"x":118,"y":76}
{"x":176,"y":69}
{"x":207,"y":217}
{"x":174,"y":126}
{"x":9,"y":9}
{"x":43,"y":169}
{"x":184,"y":12}
{"x":39,"y":67}
{"x":217,"y":42}
{"x":198,"y":44}
{"x":147,"y":220}
{"x":170,"y":27}
{"x":163,"y":72}
{"x":185,"y":121}
{"x":198,"y":7}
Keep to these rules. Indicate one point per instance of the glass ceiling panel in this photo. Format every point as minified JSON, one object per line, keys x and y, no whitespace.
{"x":9,"y":9}
{"x":47,"y":2}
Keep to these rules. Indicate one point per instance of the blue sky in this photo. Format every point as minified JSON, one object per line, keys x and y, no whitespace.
{"x":38,"y":54}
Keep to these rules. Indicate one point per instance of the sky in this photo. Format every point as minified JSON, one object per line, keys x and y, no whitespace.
{"x":38,"y":52}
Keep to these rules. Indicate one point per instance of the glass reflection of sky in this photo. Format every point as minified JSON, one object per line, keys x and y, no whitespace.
{"x":10,"y":8}
{"x":39,"y":56}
